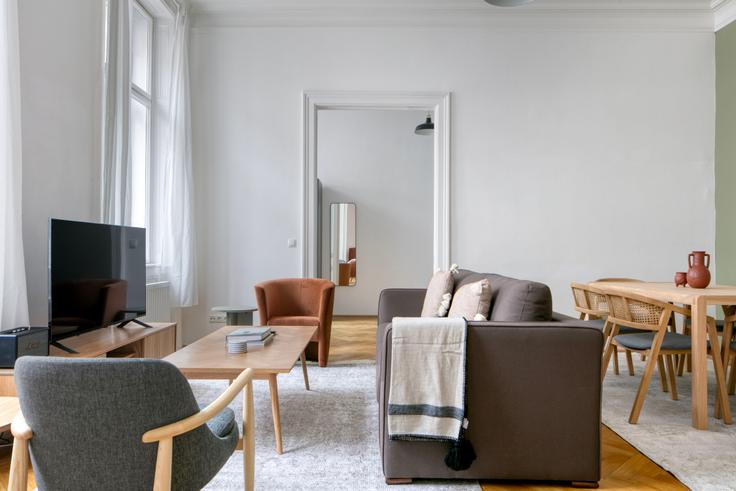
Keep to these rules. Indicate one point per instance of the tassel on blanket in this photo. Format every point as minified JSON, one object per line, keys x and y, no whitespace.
{"x":461,"y":455}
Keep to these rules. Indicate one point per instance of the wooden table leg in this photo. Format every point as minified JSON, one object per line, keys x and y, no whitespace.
{"x":249,"y":442}
{"x":699,"y":362}
{"x":274,"y":388}
{"x":303,"y":358}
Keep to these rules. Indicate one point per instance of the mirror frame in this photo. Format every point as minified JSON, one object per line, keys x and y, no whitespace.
{"x":334,"y":275}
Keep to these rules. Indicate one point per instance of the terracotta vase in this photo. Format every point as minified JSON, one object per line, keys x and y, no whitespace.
{"x":698,"y":275}
{"x":680,"y":278}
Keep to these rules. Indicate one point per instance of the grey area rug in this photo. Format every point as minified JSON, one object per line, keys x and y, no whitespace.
{"x":330,"y":434}
{"x":702,"y":460}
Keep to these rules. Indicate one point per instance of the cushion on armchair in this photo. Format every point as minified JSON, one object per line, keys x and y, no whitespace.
{"x":223,"y":424}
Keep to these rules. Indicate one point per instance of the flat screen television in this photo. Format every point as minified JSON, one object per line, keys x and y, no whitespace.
{"x":97,"y":277}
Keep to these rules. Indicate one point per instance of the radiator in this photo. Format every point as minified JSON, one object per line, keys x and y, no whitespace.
{"x":158,"y":305}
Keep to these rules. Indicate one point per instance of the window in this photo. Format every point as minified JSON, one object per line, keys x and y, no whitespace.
{"x":141,"y":75}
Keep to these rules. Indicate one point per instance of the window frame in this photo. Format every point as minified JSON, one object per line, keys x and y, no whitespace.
{"x":146,"y":98}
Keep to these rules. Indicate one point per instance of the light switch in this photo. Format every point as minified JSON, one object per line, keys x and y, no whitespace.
{"x":292,"y":243}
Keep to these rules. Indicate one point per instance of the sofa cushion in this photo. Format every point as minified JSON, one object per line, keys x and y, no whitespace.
{"x":512,"y":300}
{"x":472,"y":301}
{"x":439,"y":294}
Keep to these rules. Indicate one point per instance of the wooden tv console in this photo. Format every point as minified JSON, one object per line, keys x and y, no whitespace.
{"x":131,"y":341}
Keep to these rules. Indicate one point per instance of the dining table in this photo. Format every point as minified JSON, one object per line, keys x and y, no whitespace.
{"x":699,"y":299}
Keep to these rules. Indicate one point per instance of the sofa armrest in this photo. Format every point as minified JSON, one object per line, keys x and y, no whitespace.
{"x":534,"y":395}
{"x":395,"y":302}
{"x":400,"y":302}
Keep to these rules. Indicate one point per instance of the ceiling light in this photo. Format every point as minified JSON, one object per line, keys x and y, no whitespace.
{"x":426,"y":128}
{"x":508,"y":3}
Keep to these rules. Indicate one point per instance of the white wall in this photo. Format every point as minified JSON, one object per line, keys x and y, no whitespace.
{"x":374,"y":159}
{"x":60,"y":58}
{"x":574,"y":154}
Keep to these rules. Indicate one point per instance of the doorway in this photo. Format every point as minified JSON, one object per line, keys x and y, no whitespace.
{"x":435,"y":103}
{"x":374,"y":200}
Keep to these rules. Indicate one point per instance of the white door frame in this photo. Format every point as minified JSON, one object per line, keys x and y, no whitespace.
{"x":436,"y":102}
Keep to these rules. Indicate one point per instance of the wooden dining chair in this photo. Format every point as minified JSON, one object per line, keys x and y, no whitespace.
{"x":653,"y":319}
{"x":673,"y":323}
{"x":729,"y":346}
{"x":728,"y":349}
{"x":591,"y":304}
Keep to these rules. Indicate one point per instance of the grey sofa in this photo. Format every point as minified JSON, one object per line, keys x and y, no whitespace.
{"x":534,"y":390}
{"x":88,"y":417}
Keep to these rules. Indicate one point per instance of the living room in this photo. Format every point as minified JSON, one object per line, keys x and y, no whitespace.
{"x":542,"y":184}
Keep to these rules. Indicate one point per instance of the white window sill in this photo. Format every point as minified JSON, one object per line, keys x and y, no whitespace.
{"x":154,"y":275}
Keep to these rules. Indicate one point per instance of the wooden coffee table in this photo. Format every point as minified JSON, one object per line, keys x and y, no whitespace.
{"x":208,"y":358}
{"x":9,"y":408}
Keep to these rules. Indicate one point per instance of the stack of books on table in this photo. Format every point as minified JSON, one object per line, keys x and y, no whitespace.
{"x":249,"y":338}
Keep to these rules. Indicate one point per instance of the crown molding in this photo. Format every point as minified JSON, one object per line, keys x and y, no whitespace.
{"x":626,"y":15}
{"x":724,"y":12}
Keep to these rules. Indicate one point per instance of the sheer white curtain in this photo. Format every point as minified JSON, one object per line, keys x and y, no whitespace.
{"x":13,"y":299}
{"x":116,"y":172}
{"x":171,"y":217}
{"x":173,"y":211}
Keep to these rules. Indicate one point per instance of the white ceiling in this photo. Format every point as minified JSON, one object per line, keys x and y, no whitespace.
{"x":673,"y":15}
{"x":239,"y":5}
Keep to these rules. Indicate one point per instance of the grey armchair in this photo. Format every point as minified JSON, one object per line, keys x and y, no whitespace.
{"x":93,"y":424}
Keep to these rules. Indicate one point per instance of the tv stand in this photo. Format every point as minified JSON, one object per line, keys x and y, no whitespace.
{"x":64,"y":348}
{"x":139,"y":322}
{"x":156,"y":340}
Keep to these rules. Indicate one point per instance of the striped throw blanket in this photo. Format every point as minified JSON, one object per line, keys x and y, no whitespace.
{"x":427,"y":390}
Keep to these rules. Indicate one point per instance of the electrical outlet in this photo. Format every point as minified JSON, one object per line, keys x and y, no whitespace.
{"x":218,"y":318}
{"x":291,"y":243}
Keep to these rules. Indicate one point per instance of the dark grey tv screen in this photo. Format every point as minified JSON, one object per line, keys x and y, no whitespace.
{"x":97,"y":276}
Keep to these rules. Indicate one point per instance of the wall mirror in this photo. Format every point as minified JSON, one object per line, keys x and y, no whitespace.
{"x":343,"y":252}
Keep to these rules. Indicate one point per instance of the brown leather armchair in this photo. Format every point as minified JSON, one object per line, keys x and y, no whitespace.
{"x":299,"y":302}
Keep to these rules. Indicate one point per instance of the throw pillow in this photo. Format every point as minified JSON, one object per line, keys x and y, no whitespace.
{"x":439,"y":293}
{"x":472,"y":301}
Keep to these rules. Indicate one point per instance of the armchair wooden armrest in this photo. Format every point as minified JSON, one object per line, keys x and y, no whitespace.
{"x":164,"y":435}
{"x":196,"y":420}
{"x":20,"y":460}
